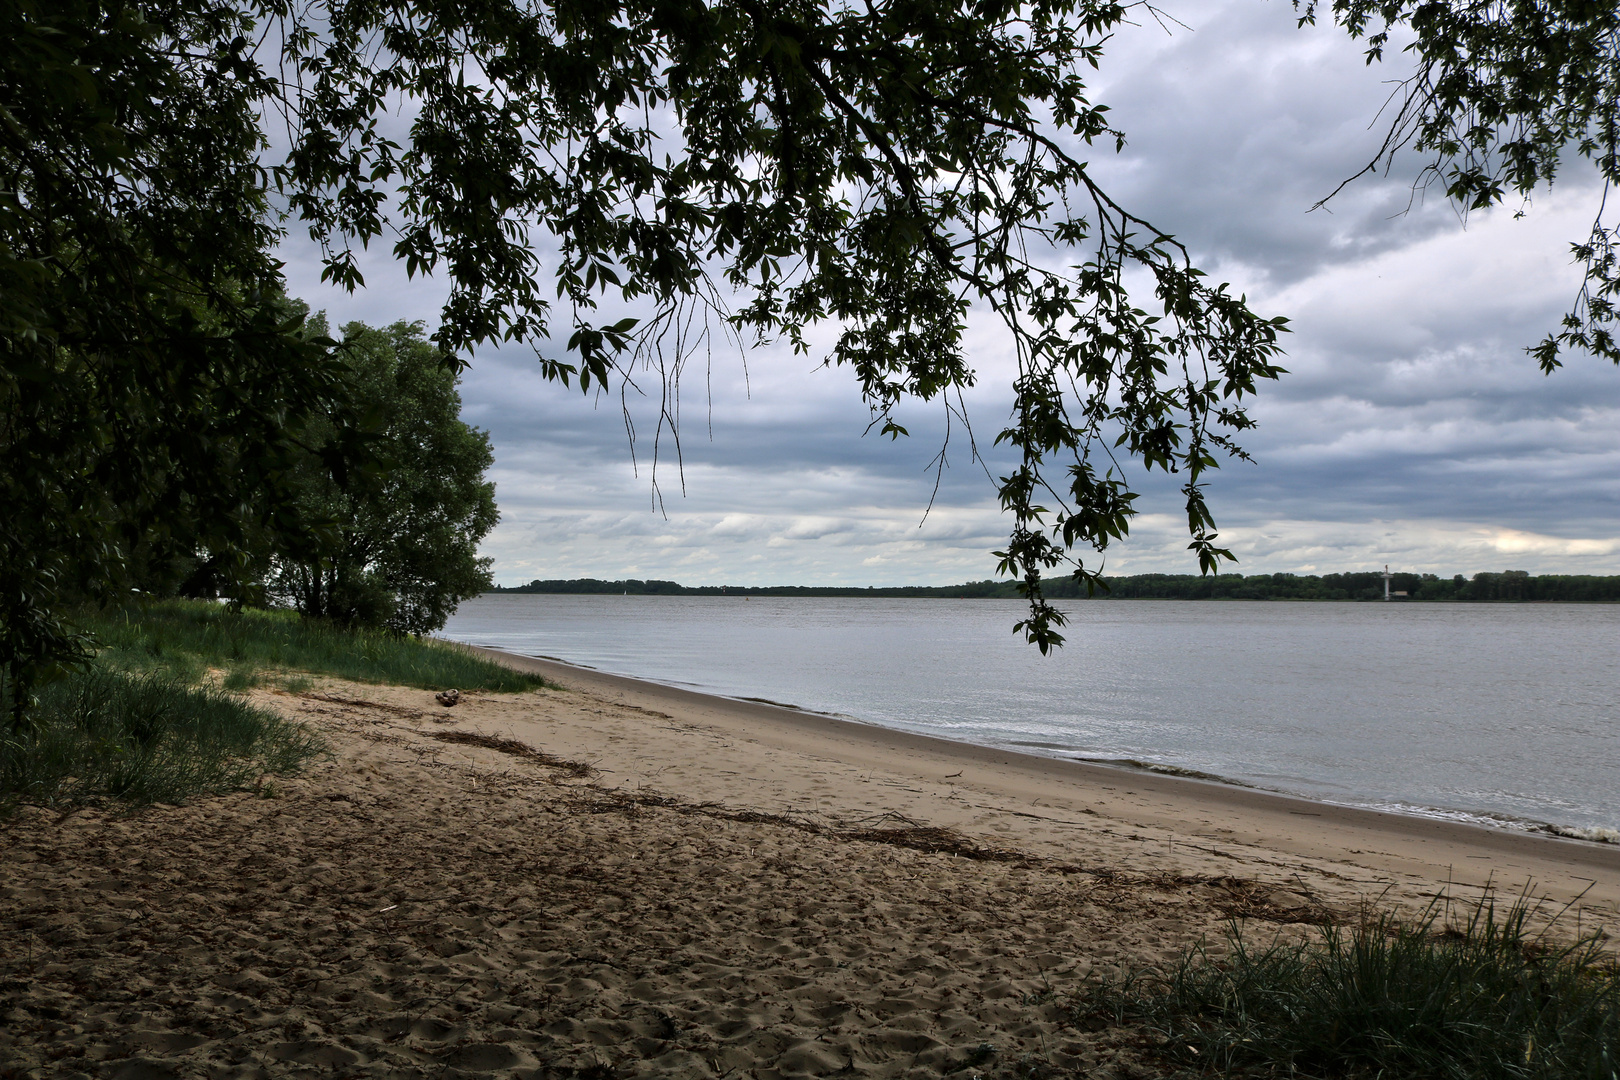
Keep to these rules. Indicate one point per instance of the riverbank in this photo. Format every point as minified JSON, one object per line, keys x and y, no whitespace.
{"x":620,"y":878}
{"x":789,"y":761}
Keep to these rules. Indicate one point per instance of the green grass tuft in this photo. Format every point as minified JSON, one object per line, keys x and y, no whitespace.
{"x":143,"y":738}
{"x":1488,"y":1001}
{"x":185,"y":637}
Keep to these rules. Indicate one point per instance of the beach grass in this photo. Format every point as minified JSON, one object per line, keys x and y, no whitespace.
{"x":142,"y":738}
{"x":1424,"y":1000}
{"x":159,"y":715}
{"x":187,"y":637}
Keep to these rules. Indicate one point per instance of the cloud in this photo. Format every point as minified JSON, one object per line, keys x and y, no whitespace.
{"x":1239,"y":122}
{"x":1420,"y":545}
{"x":748,"y":549}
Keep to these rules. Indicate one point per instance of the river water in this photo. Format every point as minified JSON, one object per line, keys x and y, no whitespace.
{"x":1500,"y":714}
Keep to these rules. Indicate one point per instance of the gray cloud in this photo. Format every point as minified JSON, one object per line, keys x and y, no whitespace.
{"x":1239,"y":122}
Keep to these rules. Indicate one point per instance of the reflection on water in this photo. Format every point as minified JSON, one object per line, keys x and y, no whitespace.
{"x":1504,"y":712}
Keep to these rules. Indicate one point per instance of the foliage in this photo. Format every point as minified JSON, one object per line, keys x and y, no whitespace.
{"x":763,"y":169}
{"x":1500,"y":92}
{"x":1486,"y":1001}
{"x":404,"y":550}
{"x":147,"y":376}
{"x":886,"y":167}
{"x":185,"y":637}
{"x":143,"y":739}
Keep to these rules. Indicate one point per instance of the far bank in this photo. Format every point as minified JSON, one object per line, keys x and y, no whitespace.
{"x":1510,"y":586}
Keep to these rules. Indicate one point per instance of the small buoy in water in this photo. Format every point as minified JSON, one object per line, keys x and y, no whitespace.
{"x":447,"y":698}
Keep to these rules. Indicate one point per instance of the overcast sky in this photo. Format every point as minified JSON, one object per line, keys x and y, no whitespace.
{"x":1412,"y":429}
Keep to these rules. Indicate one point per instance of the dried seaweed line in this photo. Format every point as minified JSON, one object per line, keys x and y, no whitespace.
{"x":516,"y":749}
{"x":935,"y":841}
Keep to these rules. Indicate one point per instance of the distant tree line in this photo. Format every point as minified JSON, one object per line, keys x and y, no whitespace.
{"x":636,"y":587}
{"x":1507,"y":586}
{"x":1510,"y":585}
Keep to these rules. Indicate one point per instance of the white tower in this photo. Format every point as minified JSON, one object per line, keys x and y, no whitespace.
{"x":1387,"y":576}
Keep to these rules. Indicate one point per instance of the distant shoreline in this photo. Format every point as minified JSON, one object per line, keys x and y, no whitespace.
{"x":1507,"y":587}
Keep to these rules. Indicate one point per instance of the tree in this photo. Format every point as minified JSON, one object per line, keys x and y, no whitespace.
{"x":153,"y":388}
{"x":405,"y":548}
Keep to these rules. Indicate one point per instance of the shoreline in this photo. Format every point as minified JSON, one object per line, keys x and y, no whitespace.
{"x":1468,"y":818}
{"x":1390,"y":846}
{"x":1084,"y":766}
{"x":1249,"y":699}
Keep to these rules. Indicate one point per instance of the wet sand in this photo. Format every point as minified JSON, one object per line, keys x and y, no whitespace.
{"x":625,"y":879}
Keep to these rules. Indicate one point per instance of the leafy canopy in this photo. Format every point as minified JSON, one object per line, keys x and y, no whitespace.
{"x":883,"y":167}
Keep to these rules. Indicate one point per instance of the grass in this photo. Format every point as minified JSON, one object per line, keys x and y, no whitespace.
{"x":186,"y":637}
{"x":143,"y":738}
{"x":1484,"y":1001}
{"x":146,"y":723}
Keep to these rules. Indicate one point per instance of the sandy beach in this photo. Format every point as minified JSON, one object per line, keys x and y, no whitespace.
{"x":624,"y":879}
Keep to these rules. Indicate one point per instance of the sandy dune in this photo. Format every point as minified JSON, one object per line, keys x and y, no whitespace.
{"x":624,"y":880}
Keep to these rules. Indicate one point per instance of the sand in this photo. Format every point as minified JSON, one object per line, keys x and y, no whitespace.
{"x":622,"y":879}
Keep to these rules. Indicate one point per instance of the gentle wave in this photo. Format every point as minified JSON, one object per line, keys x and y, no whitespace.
{"x":1599,"y":836}
{"x":1595,"y":834}
{"x":1163,"y":770}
